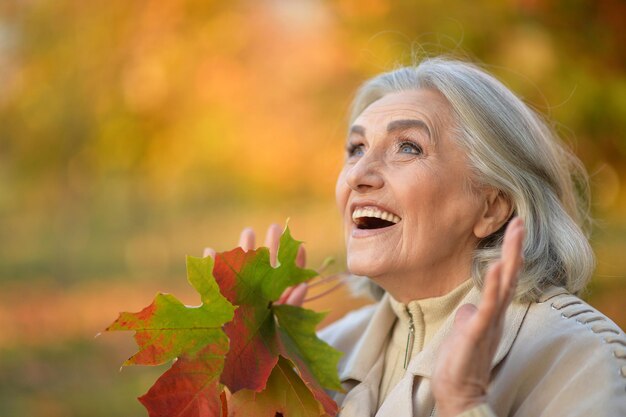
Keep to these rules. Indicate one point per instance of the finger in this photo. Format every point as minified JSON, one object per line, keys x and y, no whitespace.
{"x":247,"y":239}
{"x":512,"y":259}
{"x":285,"y":295}
{"x":512,"y":246}
{"x":298,"y":294}
{"x":488,"y":309}
{"x":290,"y":295}
{"x":464,"y":314}
{"x":512,"y":265}
{"x":208,"y":252}
{"x":301,"y":257}
{"x":272,"y":240}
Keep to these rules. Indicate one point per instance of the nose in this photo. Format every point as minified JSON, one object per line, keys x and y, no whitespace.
{"x":365,"y":175}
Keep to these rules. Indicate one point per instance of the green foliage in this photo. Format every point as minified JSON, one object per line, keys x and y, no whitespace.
{"x":285,"y":393}
{"x":256,"y":361}
{"x":167,"y":328}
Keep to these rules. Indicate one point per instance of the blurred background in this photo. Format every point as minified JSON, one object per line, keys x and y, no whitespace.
{"x":134,"y":133}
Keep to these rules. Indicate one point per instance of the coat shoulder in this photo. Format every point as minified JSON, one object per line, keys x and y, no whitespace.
{"x":566,"y":315}
{"x":567,"y":354}
{"x":343,"y":333}
{"x":568,"y":326}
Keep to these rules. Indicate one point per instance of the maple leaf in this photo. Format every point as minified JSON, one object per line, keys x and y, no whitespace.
{"x":262,"y":331}
{"x":168,"y":329}
{"x":316,"y":360}
{"x":248,"y":281}
{"x":295,"y":392}
{"x":267,"y":354}
{"x":191,"y":387}
{"x":285,"y":393}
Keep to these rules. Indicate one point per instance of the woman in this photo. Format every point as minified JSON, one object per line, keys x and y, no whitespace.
{"x":446,"y":171}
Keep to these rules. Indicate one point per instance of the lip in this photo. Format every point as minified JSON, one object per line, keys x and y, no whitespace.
{"x":370,"y":203}
{"x":355,"y":232}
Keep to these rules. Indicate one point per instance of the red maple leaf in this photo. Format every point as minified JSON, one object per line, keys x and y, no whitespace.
{"x":268,"y":355}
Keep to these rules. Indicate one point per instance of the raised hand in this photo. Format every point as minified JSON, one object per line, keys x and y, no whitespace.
{"x":247,"y":240}
{"x":463,"y":366}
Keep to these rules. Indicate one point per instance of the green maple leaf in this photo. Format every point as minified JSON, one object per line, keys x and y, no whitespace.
{"x":315,"y":360}
{"x":255,"y":353}
{"x":248,"y":281}
{"x":168,"y":329}
{"x":262,"y":331}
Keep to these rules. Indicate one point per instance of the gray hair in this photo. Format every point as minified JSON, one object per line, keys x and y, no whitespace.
{"x":511,"y":148}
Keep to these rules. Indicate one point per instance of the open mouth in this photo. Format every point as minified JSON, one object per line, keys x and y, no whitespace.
{"x":373,"y":218}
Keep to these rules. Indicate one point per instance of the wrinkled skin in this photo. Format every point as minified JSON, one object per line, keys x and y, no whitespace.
{"x":419,"y":173}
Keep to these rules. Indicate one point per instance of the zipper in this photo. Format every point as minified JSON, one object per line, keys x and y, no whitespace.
{"x":432,"y":413}
{"x":410,"y":339}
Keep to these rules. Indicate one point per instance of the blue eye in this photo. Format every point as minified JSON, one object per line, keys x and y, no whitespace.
{"x":355,"y":150}
{"x":410,"y":148}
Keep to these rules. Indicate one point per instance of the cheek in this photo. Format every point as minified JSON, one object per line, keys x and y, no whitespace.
{"x":423,"y":195}
{"x":437,"y":203}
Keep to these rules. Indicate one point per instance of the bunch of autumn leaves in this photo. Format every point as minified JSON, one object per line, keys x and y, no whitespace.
{"x":267,"y":355}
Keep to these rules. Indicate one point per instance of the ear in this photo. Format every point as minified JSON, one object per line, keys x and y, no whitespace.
{"x":497,"y":210}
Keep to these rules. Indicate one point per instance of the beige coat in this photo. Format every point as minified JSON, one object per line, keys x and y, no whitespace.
{"x":557,"y":357}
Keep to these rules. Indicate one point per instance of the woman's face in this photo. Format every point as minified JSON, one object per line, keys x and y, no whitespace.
{"x":408,"y":208}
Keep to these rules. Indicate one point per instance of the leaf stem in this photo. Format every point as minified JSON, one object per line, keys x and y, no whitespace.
{"x":323,"y":293}
{"x":326,"y":279}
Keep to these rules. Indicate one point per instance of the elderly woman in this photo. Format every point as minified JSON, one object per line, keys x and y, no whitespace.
{"x":463,"y":208}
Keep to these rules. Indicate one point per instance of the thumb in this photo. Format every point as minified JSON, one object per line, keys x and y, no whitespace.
{"x":464,"y":314}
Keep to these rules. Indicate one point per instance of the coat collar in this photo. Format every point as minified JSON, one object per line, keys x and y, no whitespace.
{"x":552,"y":292}
{"x":370,"y":345}
{"x":424,"y":362}
{"x":369,"y":348}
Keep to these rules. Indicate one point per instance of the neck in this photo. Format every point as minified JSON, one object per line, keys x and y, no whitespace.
{"x":411,"y":285}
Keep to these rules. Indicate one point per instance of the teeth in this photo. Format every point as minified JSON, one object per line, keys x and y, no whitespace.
{"x":375,"y":212}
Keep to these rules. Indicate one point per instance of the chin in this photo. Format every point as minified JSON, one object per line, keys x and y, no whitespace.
{"x":366,"y":266}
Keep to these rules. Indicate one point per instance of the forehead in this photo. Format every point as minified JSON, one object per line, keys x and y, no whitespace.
{"x":426,"y":105}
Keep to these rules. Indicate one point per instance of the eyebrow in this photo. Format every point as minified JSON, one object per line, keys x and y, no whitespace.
{"x":396,"y":125}
{"x":359,"y":130}
{"x":407,"y":124}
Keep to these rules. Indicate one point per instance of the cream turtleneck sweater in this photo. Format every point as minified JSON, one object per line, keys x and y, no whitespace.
{"x":416,"y":324}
